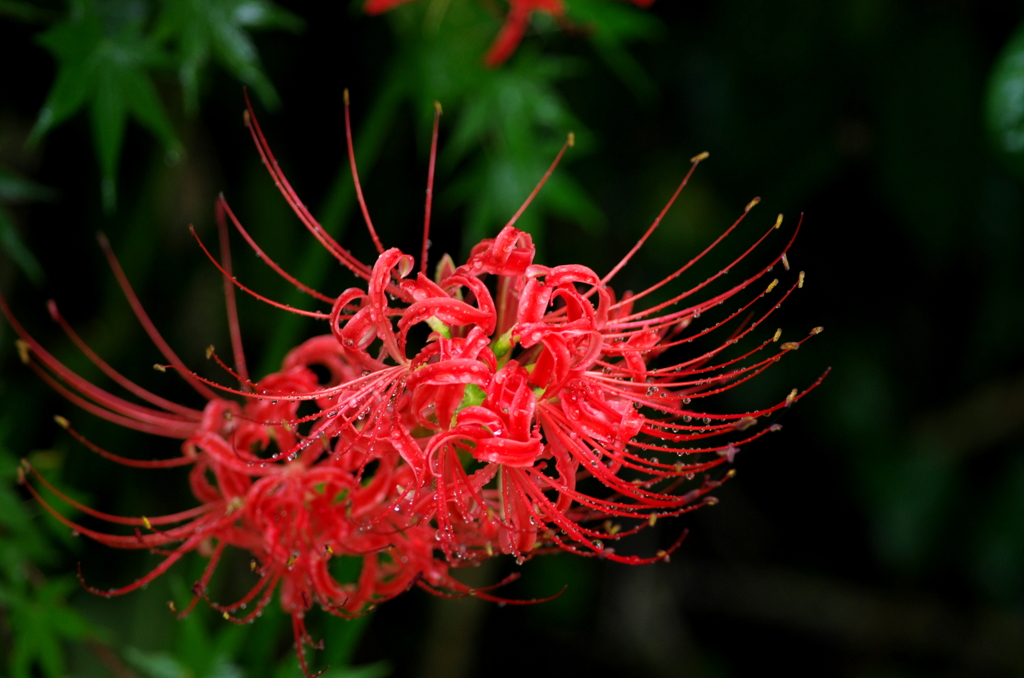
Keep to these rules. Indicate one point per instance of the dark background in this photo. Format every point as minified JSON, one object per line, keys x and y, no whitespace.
{"x":881,"y":533}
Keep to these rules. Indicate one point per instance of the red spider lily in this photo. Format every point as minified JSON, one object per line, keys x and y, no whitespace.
{"x":535,"y":415}
{"x":534,"y":408}
{"x":512,"y":30}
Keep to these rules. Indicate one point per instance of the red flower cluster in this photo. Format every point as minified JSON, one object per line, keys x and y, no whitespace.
{"x":512,"y":30}
{"x":502,"y":407}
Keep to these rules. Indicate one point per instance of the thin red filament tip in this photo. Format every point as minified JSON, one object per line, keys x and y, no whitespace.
{"x":355,"y":179}
{"x":430,"y":188}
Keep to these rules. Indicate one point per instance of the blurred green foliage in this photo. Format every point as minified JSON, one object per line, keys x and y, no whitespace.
{"x":108,"y":50}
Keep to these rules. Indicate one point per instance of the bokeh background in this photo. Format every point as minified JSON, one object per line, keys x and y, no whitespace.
{"x":880,"y":534}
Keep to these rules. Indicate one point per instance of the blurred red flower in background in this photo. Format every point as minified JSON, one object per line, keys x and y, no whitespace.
{"x":513,"y":29}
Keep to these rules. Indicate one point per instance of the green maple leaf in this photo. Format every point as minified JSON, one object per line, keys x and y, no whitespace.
{"x":103,"y":59}
{"x":205,"y":29}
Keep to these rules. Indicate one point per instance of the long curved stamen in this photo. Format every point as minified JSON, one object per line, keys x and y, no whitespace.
{"x":116,"y":376}
{"x":229,"y":296}
{"x":312,"y":225}
{"x":355,"y":179}
{"x":430,"y":188}
{"x":266,"y":259}
{"x":230,"y":280}
{"x":657,"y":220}
{"x":569,"y":141}
{"x":143,"y":317}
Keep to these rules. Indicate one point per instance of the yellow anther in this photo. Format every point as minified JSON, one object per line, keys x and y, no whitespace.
{"x":785,"y":261}
{"x":209,"y":351}
{"x":791,"y":398}
{"x":731,"y":473}
{"x":771,"y":285}
{"x":252,"y":565}
{"x":800,"y":280}
{"x":437,"y":107}
{"x":750,"y":205}
{"x":291,"y":561}
{"x":711,"y":501}
{"x":61,"y":421}
{"x":226,"y":616}
{"x":145,"y":521}
{"x":329,"y":550}
{"x":489,"y":549}
{"x":345,"y":96}
{"x":778,"y":222}
{"x":245,"y":117}
{"x":790,"y":346}
{"x":572,"y":139}
{"x":663,"y":555}
{"x":699,"y":157}
{"x":23,"y":350}
{"x":818,"y":330}
{"x":778,"y":333}
{"x":652,"y":520}
{"x":744,"y":423}
{"x":172,"y":606}
{"x":159,"y":368}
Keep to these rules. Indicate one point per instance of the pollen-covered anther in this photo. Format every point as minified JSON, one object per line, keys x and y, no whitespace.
{"x":699,"y":157}
{"x":790,"y":346}
{"x":729,"y":452}
{"x":750,"y":205}
{"x":61,"y":421}
{"x":818,"y":330}
{"x":572,"y":139}
{"x":209,"y":351}
{"x":800,"y":280}
{"x":145,"y":521}
{"x":710,"y":501}
{"x":785,"y":261}
{"x":778,"y":222}
{"x":791,"y":398}
{"x":159,"y":368}
{"x":771,"y":285}
{"x":171,"y":606}
{"x":778,"y":333}
{"x":744,"y":423}
{"x":23,"y":350}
